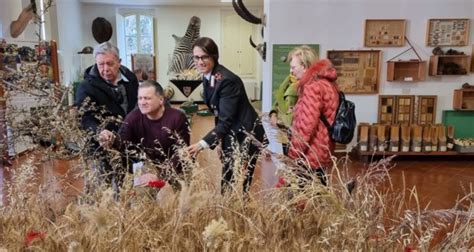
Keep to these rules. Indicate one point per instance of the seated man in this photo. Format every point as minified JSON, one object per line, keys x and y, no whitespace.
{"x":155,"y":128}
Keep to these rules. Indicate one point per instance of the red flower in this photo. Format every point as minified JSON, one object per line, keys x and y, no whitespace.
{"x":33,"y":235}
{"x":409,"y":248}
{"x":218,"y":76}
{"x":281,"y":182}
{"x":156,"y":183}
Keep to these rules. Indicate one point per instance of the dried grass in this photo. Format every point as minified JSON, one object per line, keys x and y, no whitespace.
{"x":199,"y":218}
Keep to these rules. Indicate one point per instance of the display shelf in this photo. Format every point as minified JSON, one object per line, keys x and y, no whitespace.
{"x":365,"y":155}
{"x":406,"y":71}
{"x":463,"y":99}
{"x":449,"y":65}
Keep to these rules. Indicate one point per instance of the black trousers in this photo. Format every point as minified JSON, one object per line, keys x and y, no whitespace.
{"x":249,"y":154}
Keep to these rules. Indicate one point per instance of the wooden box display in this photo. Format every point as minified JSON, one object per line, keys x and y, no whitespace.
{"x":386,"y":109}
{"x":448,"y":32}
{"x":449,"y":65}
{"x":426,"y":109}
{"x":463,"y":99}
{"x":404,"y":109}
{"x":357,"y":70}
{"x":412,"y":70}
{"x":384,"y":32}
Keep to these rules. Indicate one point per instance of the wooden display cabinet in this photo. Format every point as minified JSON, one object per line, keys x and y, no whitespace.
{"x":426,"y":109}
{"x":386,"y":109}
{"x":463,"y":99}
{"x":412,"y":70}
{"x":404,"y":109}
{"x":443,"y":65}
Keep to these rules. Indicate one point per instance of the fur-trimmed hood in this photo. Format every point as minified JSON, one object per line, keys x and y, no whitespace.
{"x":321,"y":69}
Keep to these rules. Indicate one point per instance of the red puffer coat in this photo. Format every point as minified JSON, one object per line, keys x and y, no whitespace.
{"x":318,"y":94}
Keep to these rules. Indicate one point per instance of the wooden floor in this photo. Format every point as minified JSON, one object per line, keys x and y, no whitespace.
{"x":438,"y":181}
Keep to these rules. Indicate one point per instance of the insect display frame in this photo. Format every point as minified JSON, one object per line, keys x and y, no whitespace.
{"x":384,"y":32}
{"x":448,"y":32}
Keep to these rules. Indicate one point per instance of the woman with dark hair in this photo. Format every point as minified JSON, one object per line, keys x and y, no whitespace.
{"x":235,"y":118}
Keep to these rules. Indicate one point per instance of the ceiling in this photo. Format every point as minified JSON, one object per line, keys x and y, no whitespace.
{"x":173,"y":2}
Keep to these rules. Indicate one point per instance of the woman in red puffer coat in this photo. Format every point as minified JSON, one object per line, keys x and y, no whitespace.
{"x":310,"y":139}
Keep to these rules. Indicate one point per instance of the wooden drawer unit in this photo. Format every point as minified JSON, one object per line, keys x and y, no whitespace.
{"x":386,"y":109}
{"x":450,"y":65}
{"x":408,"y":71}
{"x":463,"y":99}
{"x":404,"y":109}
{"x":426,"y":113}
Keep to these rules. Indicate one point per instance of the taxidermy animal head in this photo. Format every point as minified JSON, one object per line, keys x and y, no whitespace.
{"x":261,"y":48}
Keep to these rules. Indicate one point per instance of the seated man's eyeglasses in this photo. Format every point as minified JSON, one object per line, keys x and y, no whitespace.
{"x":204,"y":58}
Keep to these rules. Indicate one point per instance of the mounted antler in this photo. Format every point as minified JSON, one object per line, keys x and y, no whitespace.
{"x":18,"y":26}
{"x":244,"y":13}
{"x":261,"y":48}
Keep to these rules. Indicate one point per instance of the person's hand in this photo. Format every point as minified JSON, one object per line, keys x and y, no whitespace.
{"x":106,"y":138}
{"x":194,"y":149}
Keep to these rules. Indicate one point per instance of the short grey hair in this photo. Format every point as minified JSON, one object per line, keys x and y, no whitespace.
{"x":106,"y":47}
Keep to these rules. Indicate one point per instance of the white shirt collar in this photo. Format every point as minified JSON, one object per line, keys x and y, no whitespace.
{"x":123,"y":78}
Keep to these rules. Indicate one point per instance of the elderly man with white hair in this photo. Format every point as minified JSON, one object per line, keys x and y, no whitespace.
{"x":106,"y":95}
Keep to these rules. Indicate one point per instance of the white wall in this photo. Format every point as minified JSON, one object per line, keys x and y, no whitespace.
{"x":69,"y":40}
{"x":339,"y":24}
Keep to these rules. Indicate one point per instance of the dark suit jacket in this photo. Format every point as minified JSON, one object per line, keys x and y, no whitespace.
{"x":231,"y":107}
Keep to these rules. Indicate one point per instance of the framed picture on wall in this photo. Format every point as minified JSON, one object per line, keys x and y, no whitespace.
{"x":448,"y":32}
{"x":357,"y":70}
{"x":144,"y":67}
{"x":384,"y":32}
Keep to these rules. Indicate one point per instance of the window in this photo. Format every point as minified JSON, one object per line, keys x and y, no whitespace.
{"x":137,"y":36}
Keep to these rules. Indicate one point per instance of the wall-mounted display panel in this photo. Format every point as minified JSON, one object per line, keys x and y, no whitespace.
{"x":426,"y":109}
{"x":386,"y":109}
{"x":404,"y":109}
{"x":448,"y":32}
{"x":357,"y":70}
{"x":384,"y":32}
